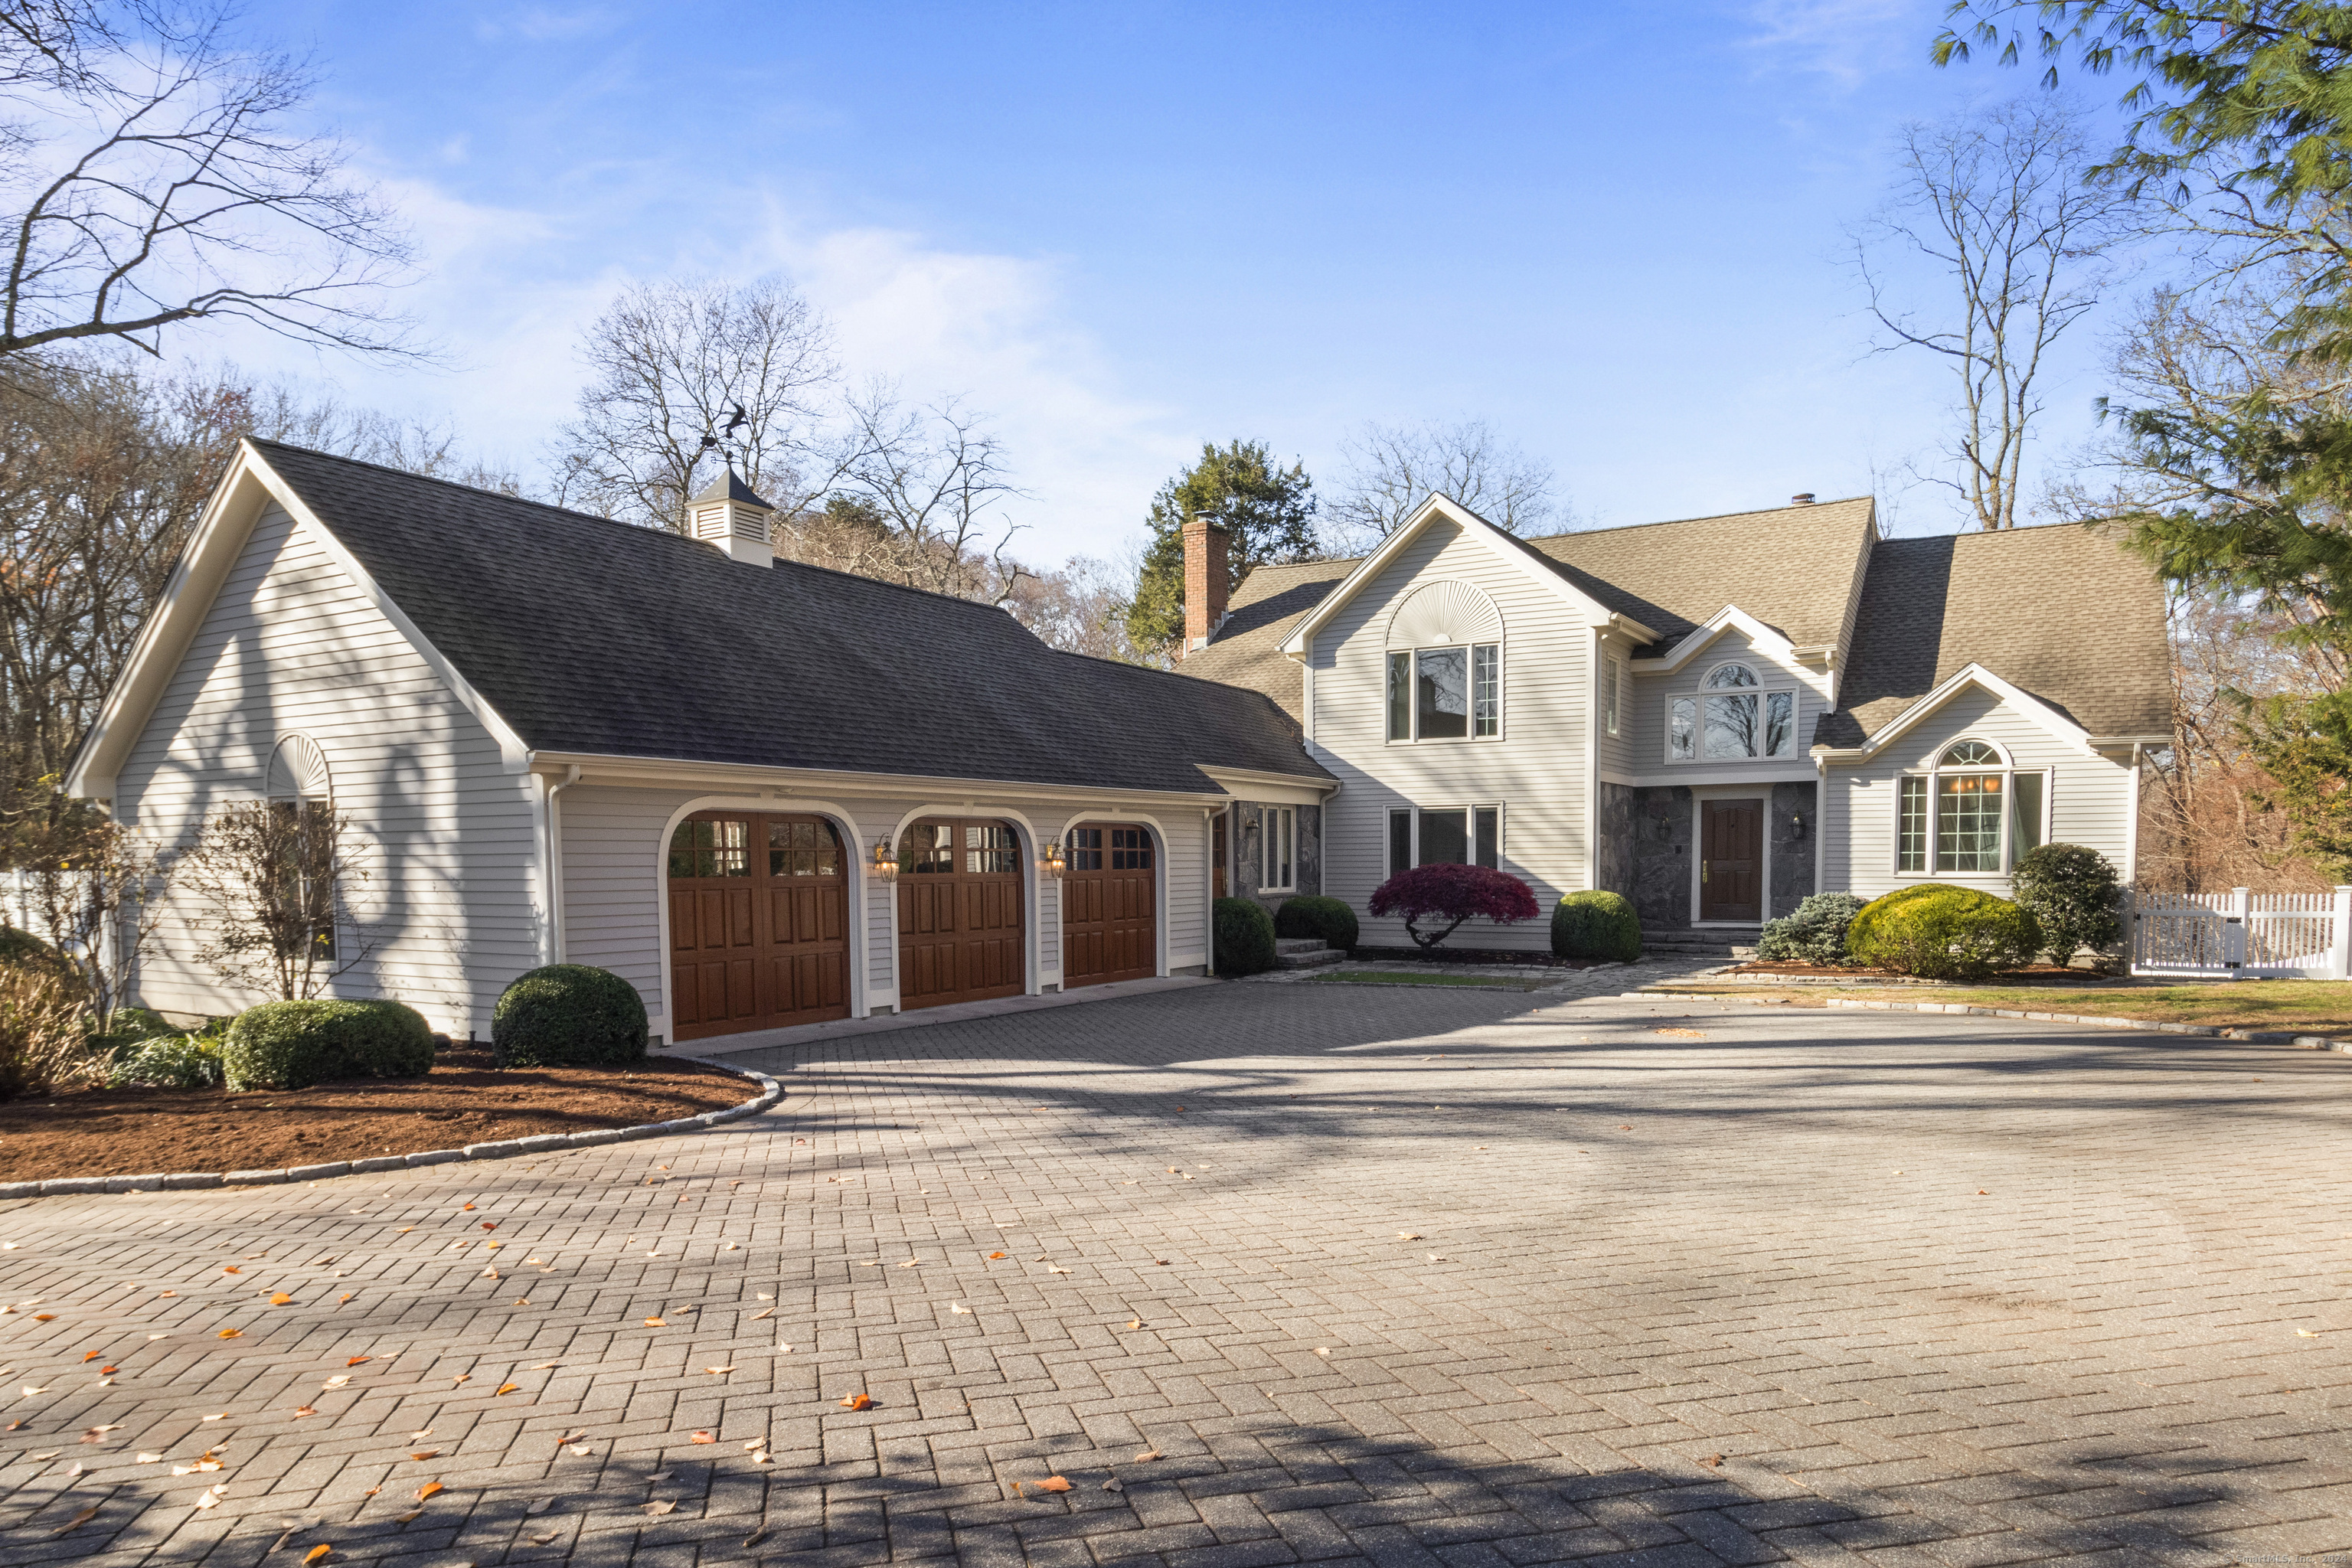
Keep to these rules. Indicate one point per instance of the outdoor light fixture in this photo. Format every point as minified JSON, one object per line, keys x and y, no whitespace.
{"x":1050,"y":860}
{"x":1796,"y":829}
{"x":886,"y":860}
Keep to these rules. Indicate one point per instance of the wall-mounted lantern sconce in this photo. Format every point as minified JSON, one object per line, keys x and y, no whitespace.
{"x":1665,"y":829}
{"x":886,"y":860}
{"x":1796,"y":829}
{"x":1050,"y":860}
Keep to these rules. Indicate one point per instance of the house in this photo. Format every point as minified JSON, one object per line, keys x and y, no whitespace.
{"x":770,"y":794}
{"x":765,"y":794}
{"x":1715,"y":717}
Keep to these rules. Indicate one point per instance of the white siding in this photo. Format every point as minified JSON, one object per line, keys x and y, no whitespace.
{"x":1645,"y":731}
{"x":2089,"y":801}
{"x":612,"y":858}
{"x":1536,"y":770}
{"x":292,"y":646}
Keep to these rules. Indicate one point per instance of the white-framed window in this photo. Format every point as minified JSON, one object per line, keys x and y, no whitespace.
{"x":1973,"y":813}
{"x":1612,"y":691}
{"x":1446,"y":693}
{"x":1277,"y":830}
{"x":1732,"y":718}
{"x":1444,"y":836}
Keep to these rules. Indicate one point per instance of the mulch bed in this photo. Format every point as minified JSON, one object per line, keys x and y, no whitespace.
{"x":138,"y":1132}
{"x":2031,"y":974}
{"x":1470,"y":955}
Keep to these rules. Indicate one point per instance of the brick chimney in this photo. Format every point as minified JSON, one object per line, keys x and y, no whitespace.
{"x":1208,"y":579}
{"x":1803,"y":497}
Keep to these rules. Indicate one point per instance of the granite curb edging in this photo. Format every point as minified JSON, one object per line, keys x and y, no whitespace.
{"x":2097,"y":1021}
{"x":771,"y":1090}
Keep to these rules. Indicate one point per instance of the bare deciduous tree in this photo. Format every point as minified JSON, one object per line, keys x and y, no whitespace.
{"x":1394,"y":469}
{"x":930,"y":478}
{"x":1998,"y":202}
{"x":669,"y":363}
{"x":1082,"y":608}
{"x":276,"y":879}
{"x":149,"y":178}
{"x":97,"y":895}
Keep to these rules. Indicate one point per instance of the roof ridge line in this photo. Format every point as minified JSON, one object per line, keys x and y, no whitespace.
{"x":1703,"y":516}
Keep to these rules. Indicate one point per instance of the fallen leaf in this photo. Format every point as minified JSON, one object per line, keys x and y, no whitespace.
{"x":231,"y":1269}
{"x":659,"y":1508}
{"x":2306,"y":1334}
{"x":730,"y":1247}
{"x":561,"y":1442}
{"x":461,"y":1377}
{"x":509,"y":1387}
{"x":580,"y":1448}
{"x":490,"y":1225}
{"x":305,"y":1410}
{"x":1056,"y":1270}
{"x":543,"y":1539}
{"x":1148,"y":1456}
{"x":1408,"y":1235}
{"x":700,"y":1438}
{"x":993,"y":1254}
{"x":161,"y":1294}
{"x":232,"y":1333}
{"x":30,"y":1391}
{"x":281,"y":1298}
{"x":92,"y":1355}
{"x":1054,"y":1484}
{"x":718,"y":1371}
{"x":657,"y":1322}
{"x":358,"y":1359}
{"x":403,"y":1230}
{"x":857,"y":1401}
{"x":77,"y":1521}
{"x":1681,"y":1034}
{"x":762,"y":1312}
{"x":1322,"y":1349}
{"x":411,"y":1517}
{"x":208,"y":1499}
{"x":337,"y":1381}
{"x":1135,"y":1322}
{"x":149,"y":1458}
{"x":1112,"y":1485}
{"x":45,"y":1317}
{"x":541,"y":1506}
{"x":95,"y":1433}
{"x":316,"y":1552}
{"x":422,"y":1454}
{"x":420,"y":1436}
{"x":427,"y":1490}
{"x":343,"y":1298}
{"x":469,"y":1208}
{"x":222,"y":1417}
{"x":764,"y":1295}
{"x":107,"y":1370}
{"x":1982,"y":1194}
{"x":756,"y":1537}
{"x":1713,"y":1461}
{"x":522,"y":1301}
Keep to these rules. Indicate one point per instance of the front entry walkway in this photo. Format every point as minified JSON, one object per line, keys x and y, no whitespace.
{"x":1255,"y":1275}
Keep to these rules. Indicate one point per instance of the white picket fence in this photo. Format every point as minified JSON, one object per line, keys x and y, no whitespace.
{"x":2242,"y":935}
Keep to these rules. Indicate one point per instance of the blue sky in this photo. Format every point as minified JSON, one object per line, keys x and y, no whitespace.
{"x":1613,"y":230}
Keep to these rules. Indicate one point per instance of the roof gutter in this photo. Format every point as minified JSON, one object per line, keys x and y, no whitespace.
{"x":816,"y":780}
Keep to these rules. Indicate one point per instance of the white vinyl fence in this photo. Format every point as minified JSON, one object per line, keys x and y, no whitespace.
{"x":2242,"y":935}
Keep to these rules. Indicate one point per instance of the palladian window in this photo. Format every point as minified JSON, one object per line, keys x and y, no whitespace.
{"x":1975,"y":811}
{"x":1733,"y":720}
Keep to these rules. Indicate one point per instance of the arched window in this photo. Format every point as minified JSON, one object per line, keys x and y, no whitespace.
{"x":300,"y":792}
{"x":1446,"y":665}
{"x":1736,"y":720}
{"x":1973,"y":813}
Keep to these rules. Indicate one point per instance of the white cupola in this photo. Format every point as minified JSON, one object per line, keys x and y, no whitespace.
{"x":728,"y":515}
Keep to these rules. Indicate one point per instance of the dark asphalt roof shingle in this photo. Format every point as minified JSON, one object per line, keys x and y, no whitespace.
{"x":2064,"y":612}
{"x":593,"y":636}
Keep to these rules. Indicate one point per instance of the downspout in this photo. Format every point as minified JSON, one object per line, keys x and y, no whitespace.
{"x":555,"y":864}
{"x":1820,"y":819}
{"x":1209,"y":847}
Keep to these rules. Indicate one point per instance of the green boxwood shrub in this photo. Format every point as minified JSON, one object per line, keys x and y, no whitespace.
{"x":293,"y":1044}
{"x":1245,"y":936}
{"x":1815,"y":934}
{"x":568,"y":1015}
{"x":1942,"y":933}
{"x":2071,"y":893}
{"x":169,"y":1062}
{"x":1597,"y":924}
{"x":1329,"y":921}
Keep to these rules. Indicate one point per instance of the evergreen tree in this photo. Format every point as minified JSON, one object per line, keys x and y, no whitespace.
{"x":1268,"y":513}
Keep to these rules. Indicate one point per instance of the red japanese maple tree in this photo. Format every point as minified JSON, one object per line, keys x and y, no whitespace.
{"x":1453,"y":894}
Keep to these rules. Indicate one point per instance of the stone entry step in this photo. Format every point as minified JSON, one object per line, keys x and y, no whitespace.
{"x":1304,"y":952}
{"x":1725,"y":943}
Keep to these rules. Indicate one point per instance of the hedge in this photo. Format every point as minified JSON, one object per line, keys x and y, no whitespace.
{"x":1329,"y":920}
{"x":1942,"y":933}
{"x":1245,"y":935}
{"x":293,"y":1044}
{"x":1598,"y":924}
{"x":568,"y":1015}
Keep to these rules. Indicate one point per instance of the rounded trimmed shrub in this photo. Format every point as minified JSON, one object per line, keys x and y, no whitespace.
{"x":1814,"y":933}
{"x":1329,"y":921}
{"x":293,"y":1044}
{"x":1596,"y":924}
{"x":168,"y":1061}
{"x":568,"y":1015}
{"x":2073,"y":894}
{"x":1942,"y":933}
{"x":1245,"y":936}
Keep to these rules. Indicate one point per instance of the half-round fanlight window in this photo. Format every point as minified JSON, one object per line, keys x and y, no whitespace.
{"x":1724,"y":675}
{"x":298,"y":771}
{"x":1971,"y":754}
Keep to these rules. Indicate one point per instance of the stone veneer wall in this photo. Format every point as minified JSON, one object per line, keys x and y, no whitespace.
{"x":1242,"y":832}
{"x":1794,"y":821}
{"x":1664,"y":824}
{"x":1615,"y":830}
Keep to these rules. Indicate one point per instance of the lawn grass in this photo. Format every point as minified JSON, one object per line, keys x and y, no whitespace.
{"x":2310,"y":1006}
{"x":1386,"y":977}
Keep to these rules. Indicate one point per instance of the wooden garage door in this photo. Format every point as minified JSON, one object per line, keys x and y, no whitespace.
{"x":960,"y":931}
{"x":1109,"y":931}
{"x":759,"y":924}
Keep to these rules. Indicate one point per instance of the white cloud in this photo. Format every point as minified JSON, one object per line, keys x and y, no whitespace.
{"x":1845,"y":41}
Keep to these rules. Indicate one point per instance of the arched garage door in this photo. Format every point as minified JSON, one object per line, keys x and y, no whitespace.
{"x":759,"y":924}
{"x":1109,"y":906}
{"x":960,"y":929}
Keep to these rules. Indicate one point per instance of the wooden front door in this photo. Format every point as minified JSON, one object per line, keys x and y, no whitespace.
{"x":1731,"y":860}
{"x":1108,"y":896}
{"x":960,"y":937}
{"x":759,"y":923}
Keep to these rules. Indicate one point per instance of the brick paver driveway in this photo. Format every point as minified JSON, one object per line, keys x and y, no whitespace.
{"x":1399,"y":1277}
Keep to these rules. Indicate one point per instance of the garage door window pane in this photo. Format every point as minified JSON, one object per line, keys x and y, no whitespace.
{"x":1130,"y":849}
{"x":991,"y":847}
{"x":1085,"y":849}
{"x":927,"y":850}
